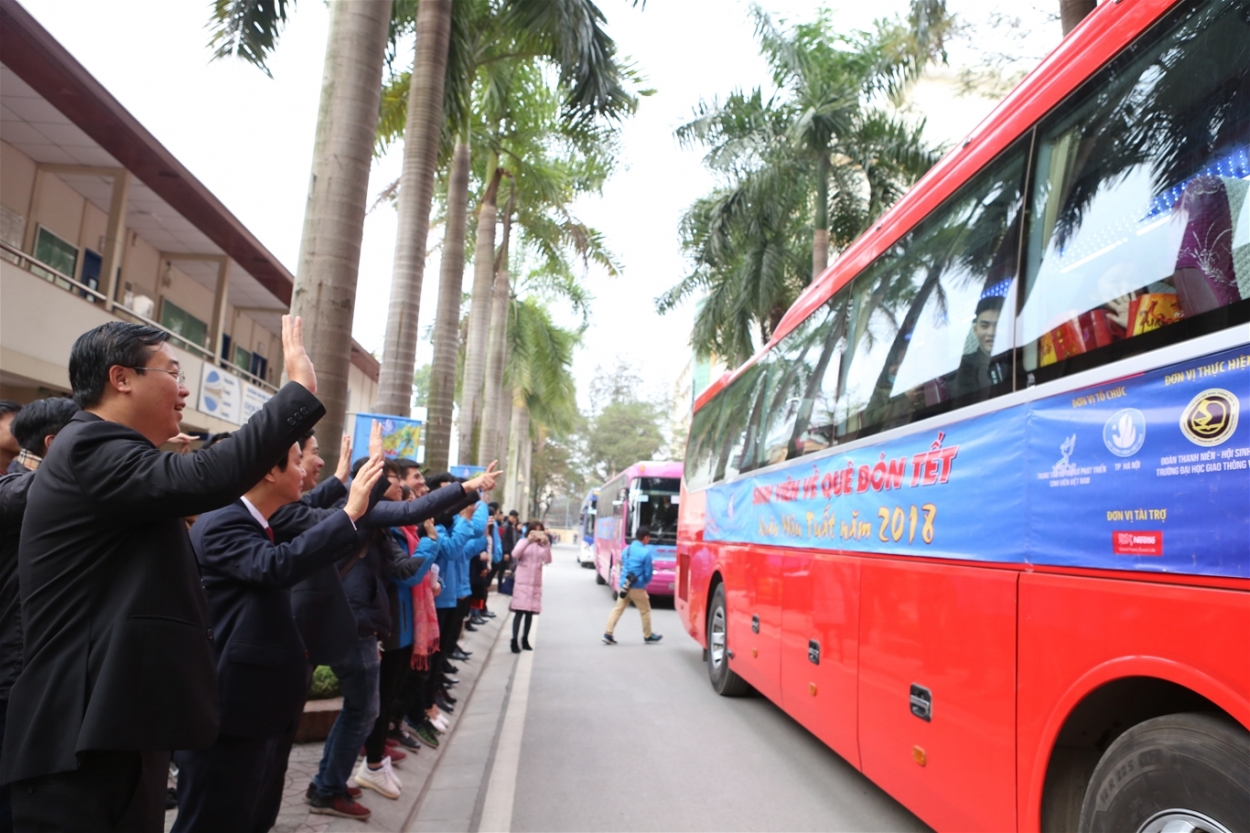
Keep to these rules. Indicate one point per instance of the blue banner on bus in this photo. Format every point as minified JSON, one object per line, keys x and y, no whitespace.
{"x":1146,"y":473}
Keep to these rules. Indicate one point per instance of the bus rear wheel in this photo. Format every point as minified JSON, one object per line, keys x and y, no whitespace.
{"x":599,"y":579}
{"x":724,"y":681}
{"x":1172,"y":774}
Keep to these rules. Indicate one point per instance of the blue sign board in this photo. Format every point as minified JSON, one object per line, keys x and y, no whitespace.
{"x":1150,"y":472}
{"x":401,"y":437}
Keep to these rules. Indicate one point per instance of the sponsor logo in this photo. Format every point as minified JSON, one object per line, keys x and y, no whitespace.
{"x":1210,"y":418}
{"x":1125,"y":432}
{"x":1137,"y":542}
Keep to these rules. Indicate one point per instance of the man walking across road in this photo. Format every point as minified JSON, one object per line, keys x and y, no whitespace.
{"x":120,"y":666}
{"x":637,"y":568}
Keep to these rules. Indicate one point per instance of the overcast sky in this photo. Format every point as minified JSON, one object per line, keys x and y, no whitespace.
{"x":249,"y":139}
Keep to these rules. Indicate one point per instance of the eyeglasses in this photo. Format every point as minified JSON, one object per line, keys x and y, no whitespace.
{"x":176,"y":373}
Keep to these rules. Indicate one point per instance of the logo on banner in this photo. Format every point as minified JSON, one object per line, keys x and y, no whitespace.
{"x":1125,"y":432}
{"x":1210,"y":418}
{"x":1137,"y":542}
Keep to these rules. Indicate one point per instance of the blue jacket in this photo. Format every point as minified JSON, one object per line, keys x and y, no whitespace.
{"x":638,"y":559}
{"x":496,"y":552}
{"x":453,"y":568}
{"x":427,"y":548}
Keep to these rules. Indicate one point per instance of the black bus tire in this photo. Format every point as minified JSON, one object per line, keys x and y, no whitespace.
{"x":724,"y":681}
{"x":599,"y":579}
{"x":1179,"y":771}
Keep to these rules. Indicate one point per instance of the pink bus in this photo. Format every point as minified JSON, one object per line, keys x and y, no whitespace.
{"x":644,"y":494}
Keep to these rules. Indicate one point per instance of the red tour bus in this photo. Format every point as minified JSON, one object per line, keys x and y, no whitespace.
{"x":645,"y":494}
{"x":978,"y":516}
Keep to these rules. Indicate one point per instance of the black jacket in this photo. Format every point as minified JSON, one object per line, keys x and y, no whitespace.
{"x":326,"y":619}
{"x":117,"y":643}
{"x":262,"y":666}
{"x":13,"y":491}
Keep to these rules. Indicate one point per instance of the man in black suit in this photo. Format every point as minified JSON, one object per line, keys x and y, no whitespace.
{"x":35,"y":427}
{"x":120,"y":666}
{"x":262,"y":670}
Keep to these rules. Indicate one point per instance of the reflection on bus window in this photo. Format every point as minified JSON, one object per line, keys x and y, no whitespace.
{"x":1140,"y":212}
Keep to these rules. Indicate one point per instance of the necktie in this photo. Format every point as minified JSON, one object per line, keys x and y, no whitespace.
{"x":269,"y":532}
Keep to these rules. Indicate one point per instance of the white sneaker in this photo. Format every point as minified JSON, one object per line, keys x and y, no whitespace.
{"x":377,"y":780}
{"x":390,"y":773}
{"x":441,"y":723}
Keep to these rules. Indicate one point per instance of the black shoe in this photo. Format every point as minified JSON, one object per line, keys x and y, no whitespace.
{"x":405,"y":740}
{"x":516,"y":649}
{"x":460,"y":656}
{"x":448,"y":682}
{"x":468,"y":626}
{"x":448,"y":698}
{"x":525,"y":644}
{"x":451,"y":669}
{"x":442,"y":703}
{"x":171,"y":798}
{"x":490,"y":614}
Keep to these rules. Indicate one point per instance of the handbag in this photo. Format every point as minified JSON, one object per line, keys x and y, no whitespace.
{"x":506,"y":585}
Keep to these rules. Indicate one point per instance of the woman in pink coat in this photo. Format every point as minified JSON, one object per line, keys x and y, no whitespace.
{"x":529,"y":556}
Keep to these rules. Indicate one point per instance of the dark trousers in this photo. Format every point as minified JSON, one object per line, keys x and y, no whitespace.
{"x":110,"y":791}
{"x":449,"y":621}
{"x":218,"y":787}
{"x":517,"y":617}
{"x":6,"y":808}
{"x":269,"y":802}
{"x":392,"y":669}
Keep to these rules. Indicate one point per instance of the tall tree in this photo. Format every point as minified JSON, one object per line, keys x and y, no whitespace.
{"x":329,"y":260}
{"x":422,"y":134}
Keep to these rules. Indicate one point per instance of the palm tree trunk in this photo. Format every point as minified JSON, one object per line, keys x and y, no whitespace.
{"x":518,"y":435}
{"x":503,"y":424}
{"x":479,"y":319}
{"x":492,"y":387}
{"x":447,"y":320}
{"x":334,"y":219}
{"x":493,"y":392}
{"x":526,"y":465}
{"x":1072,"y":12}
{"x":416,"y":188}
{"x":820,"y":236}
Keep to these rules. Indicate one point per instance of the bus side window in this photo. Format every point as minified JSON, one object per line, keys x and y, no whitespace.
{"x":1140,"y":215}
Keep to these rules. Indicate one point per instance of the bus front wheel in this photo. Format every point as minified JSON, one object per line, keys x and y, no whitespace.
{"x":1179,"y":772}
{"x":599,"y":579}
{"x":724,"y":681}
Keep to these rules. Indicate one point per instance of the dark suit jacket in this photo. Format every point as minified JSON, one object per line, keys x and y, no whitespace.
{"x":118,"y":649}
{"x":13,"y":491}
{"x":323,"y":614}
{"x":262,"y":666}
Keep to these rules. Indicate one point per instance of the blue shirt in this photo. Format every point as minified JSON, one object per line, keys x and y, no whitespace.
{"x":639,"y":559}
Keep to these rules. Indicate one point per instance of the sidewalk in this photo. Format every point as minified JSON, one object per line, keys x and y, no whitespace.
{"x":443,"y":788}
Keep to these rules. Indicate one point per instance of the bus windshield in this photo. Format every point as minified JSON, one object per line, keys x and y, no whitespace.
{"x":657,"y":500}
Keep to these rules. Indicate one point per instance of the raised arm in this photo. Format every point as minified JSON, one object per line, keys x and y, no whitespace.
{"x":228,"y":545}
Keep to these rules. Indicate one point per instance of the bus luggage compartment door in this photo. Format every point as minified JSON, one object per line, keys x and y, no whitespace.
{"x":949,"y":631}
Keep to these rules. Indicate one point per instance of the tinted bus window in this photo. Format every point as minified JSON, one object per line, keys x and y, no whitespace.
{"x":925,"y":328}
{"x":1141,"y":227}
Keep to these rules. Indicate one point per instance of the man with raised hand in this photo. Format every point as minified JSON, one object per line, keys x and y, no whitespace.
{"x":262,"y":667}
{"x":120,"y":666}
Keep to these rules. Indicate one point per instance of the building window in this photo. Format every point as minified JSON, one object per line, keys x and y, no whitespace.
{"x":60,"y":254}
{"x":183,"y":324}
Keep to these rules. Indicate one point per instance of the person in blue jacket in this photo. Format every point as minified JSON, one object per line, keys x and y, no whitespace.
{"x":637,"y":568}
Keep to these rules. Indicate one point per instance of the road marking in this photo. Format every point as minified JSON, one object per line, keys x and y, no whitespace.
{"x":501,"y":793}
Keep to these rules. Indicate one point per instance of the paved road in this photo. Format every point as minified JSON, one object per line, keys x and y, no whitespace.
{"x":632,"y":737}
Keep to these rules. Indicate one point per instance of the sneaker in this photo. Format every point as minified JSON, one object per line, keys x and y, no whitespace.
{"x":404,"y":739}
{"x":490,"y":614}
{"x":609,"y":639}
{"x":379,"y":780}
{"x":428,"y":734}
{"x":440,"y":723}
{"x":652,"y":639}
{"x":339,"y":805}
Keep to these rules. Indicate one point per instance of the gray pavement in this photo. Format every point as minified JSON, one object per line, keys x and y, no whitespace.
{"x":632,"y":737}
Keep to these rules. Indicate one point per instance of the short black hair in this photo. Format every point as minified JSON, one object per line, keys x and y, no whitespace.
{"x":388,"y":466}
{"x":303,"y":440}
{"x":114,"y":343}
{"x":39,"y":419}
{"x":644,"y":531}
{"x":441,"y":479}
{"x":406,"y":465}
{"x":8,"y":406}
{"x":992,"y":302}
{"x":492,"y":507}
{"x":514,"y":514}
{"x":284,"y":459}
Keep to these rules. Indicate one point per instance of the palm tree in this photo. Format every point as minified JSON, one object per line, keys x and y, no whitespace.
{"x":422,"y":133}
{"x":329,"y":259}
{"x":778,"y":157}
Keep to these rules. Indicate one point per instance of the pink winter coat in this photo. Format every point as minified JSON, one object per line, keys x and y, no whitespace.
{"x":527,"y":590}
